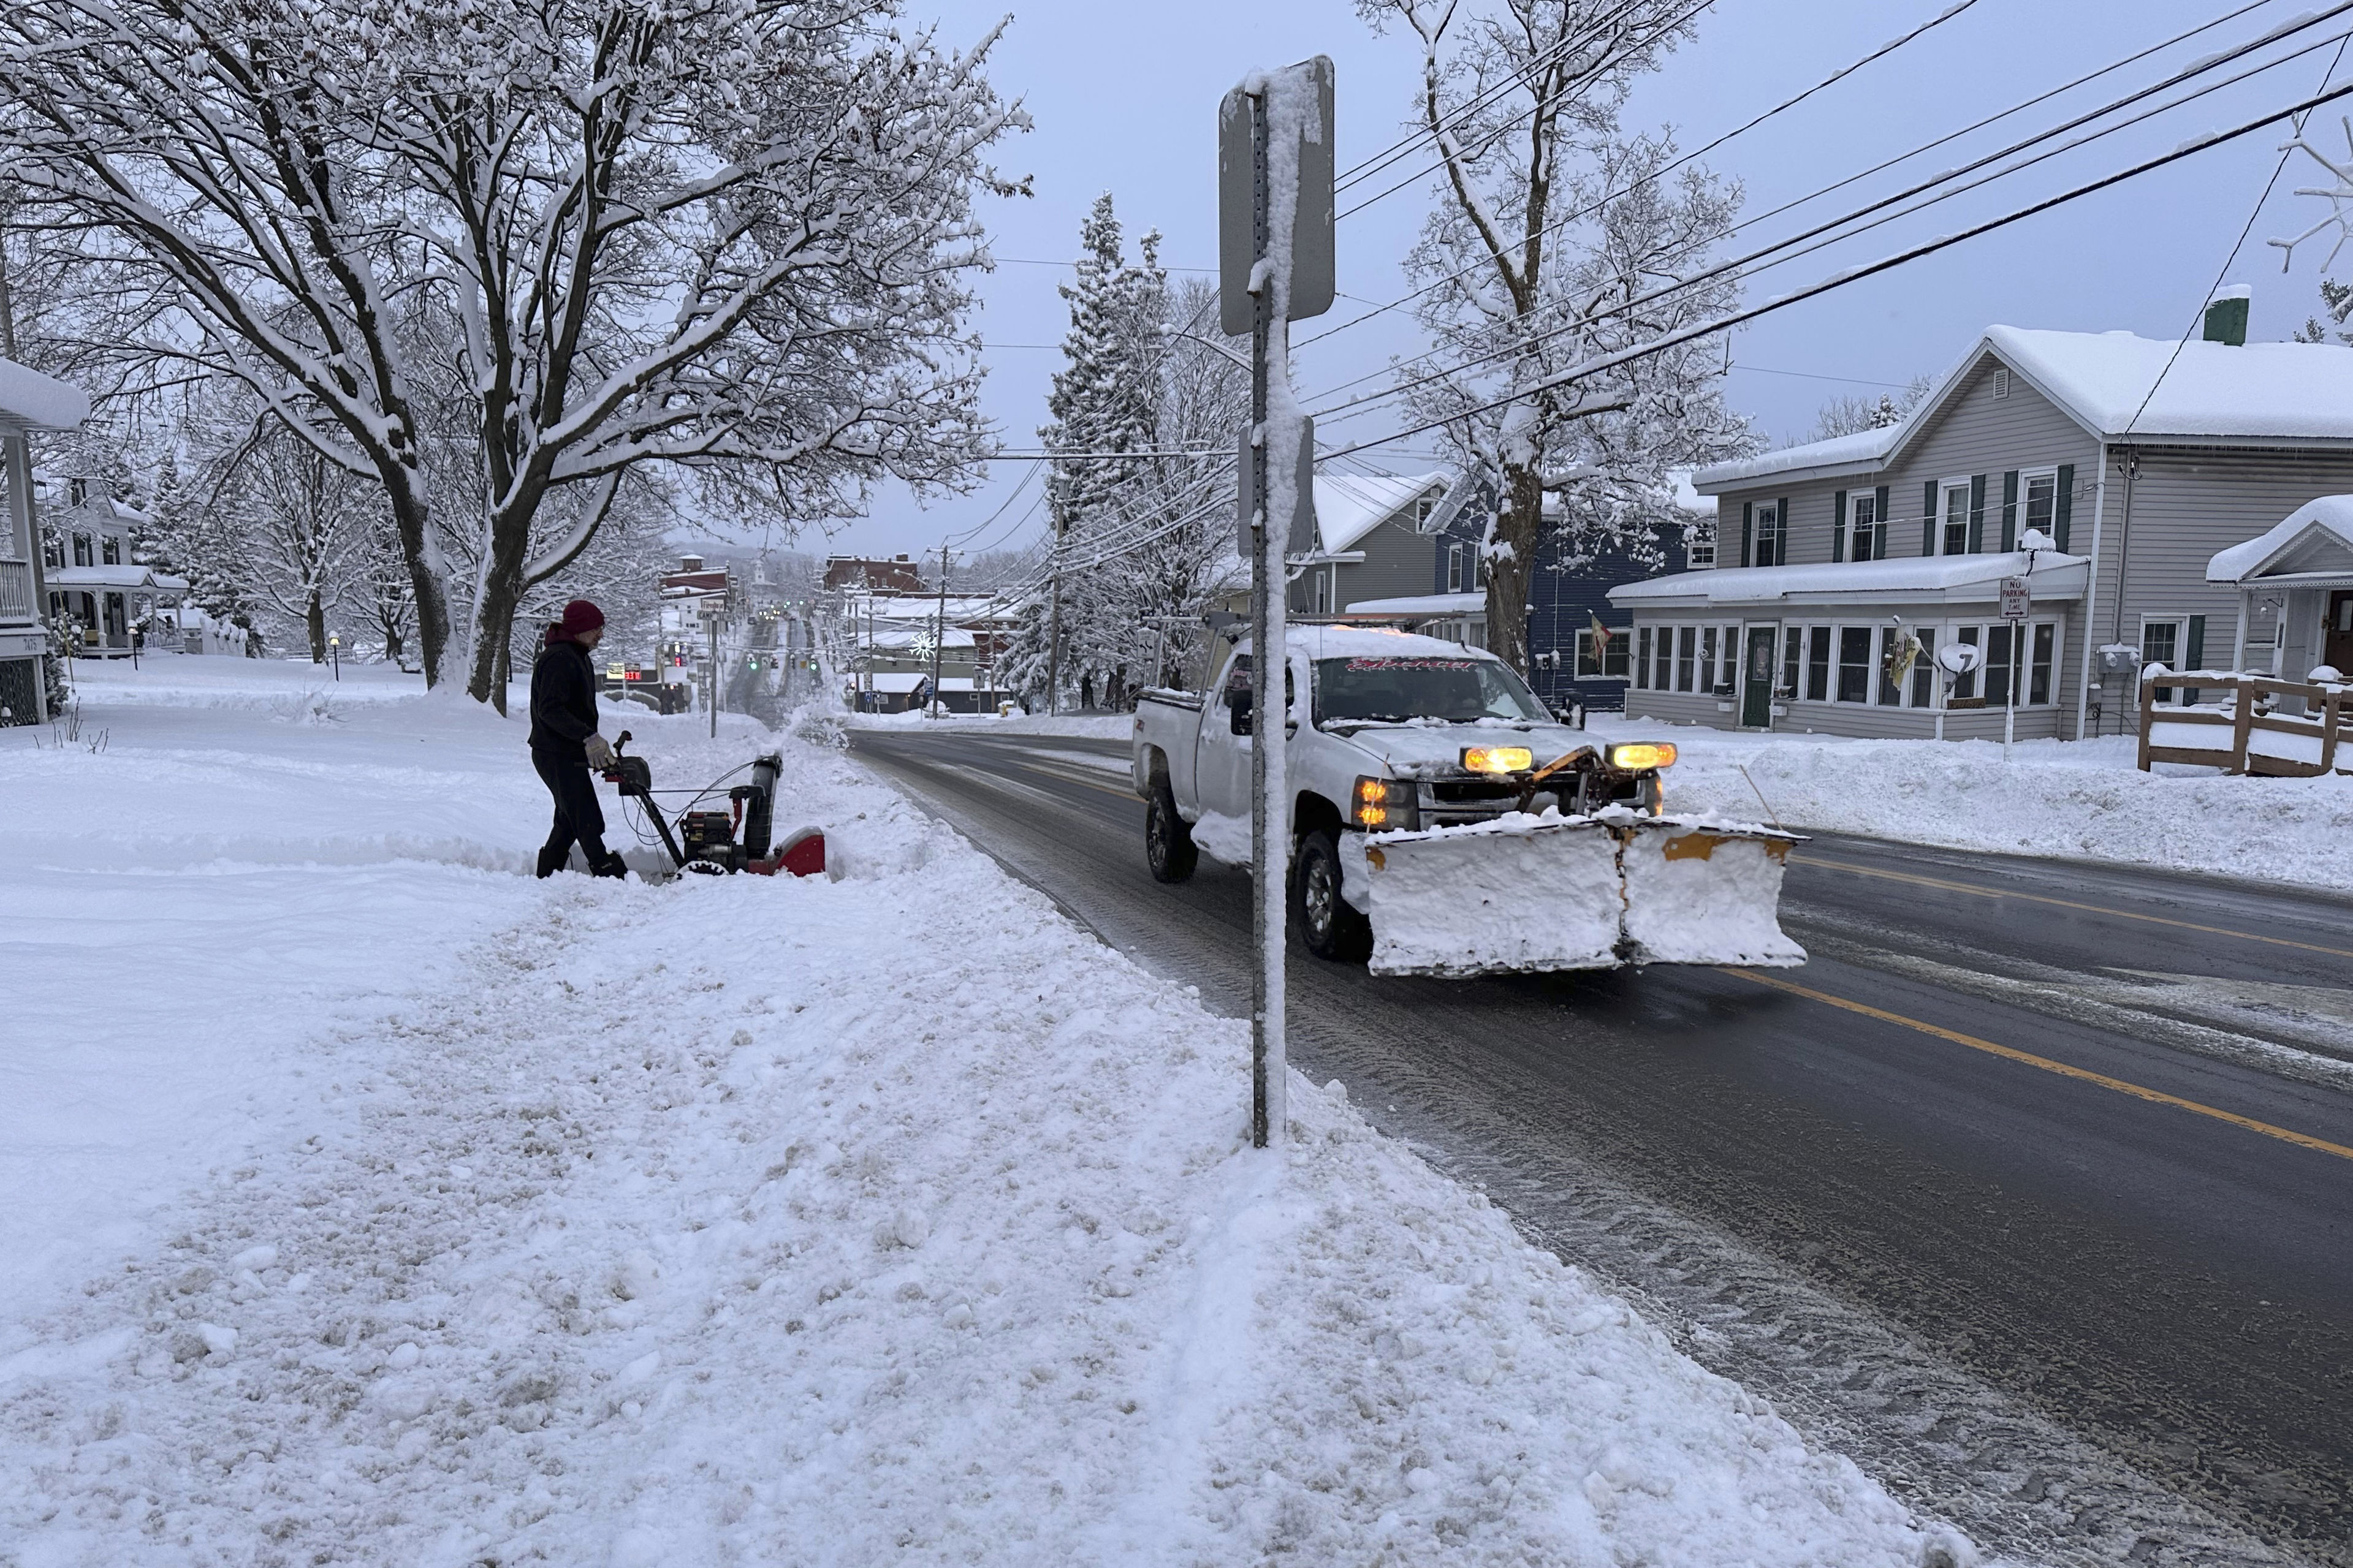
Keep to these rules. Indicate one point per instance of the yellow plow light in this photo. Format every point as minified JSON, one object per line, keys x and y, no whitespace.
{"x":1636,"y":756}
{"x":1498,"y":758}
{"x":1371,"y":805}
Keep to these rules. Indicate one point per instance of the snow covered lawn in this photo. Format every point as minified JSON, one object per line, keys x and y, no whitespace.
{"x":403,"y":1210}
{"x":2063,"y":798}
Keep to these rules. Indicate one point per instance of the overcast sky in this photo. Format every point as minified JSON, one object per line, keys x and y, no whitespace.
{"x":1124,"y":98}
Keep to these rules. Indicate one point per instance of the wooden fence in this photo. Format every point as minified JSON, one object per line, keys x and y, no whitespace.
{"x":2278,"y":729}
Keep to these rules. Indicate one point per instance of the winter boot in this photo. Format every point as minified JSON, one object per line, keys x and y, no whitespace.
{"x":550,"y":861}
{"x":612,"y":865}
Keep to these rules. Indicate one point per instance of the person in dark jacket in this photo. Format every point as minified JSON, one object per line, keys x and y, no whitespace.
{"x":565,"y":743}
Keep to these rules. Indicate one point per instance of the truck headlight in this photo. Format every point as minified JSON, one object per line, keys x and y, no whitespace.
{"x":1498,"y":758}
{"x":1640,"y":756}
{"x":1381,"y":802}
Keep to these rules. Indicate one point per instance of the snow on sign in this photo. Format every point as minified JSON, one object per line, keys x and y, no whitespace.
{"x":2016,"y":598}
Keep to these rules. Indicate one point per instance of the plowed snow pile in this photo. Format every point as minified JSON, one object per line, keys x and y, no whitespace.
{"x":881,"y":1219}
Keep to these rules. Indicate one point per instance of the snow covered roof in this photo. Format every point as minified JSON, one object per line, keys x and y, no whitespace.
{"x":1688,"y":499}
{"x":126,"y":575}
{"x":1861,"y":451}
{"x":1942,"y":579}
{"x":2316,"y":539}
{"x":31,"y":401}
{"x":1350,"y":506}
{"x":2203,"y":393}
{"x":1423,"y":605}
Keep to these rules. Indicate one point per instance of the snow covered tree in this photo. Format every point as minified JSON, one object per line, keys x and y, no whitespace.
{"x":1553,"y":229}
{"x":497,"y":257}
{"x":271,"y":511}
{"x":2336,"y":304}
{"x":1139,"y":543}
{"x":1846,"y":416}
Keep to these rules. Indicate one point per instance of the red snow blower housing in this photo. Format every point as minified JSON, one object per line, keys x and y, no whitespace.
{"x":705,"y":842}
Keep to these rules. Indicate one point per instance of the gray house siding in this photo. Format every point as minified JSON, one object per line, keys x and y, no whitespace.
{"x":2185,"y":504}
{"x":1396,"y":564}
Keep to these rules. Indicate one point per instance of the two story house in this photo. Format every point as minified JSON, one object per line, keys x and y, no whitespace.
{"x":29,"y":401}
{"x":1845,"y":564}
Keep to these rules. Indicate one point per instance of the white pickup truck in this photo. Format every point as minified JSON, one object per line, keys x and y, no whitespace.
{"x":1442,"y":822}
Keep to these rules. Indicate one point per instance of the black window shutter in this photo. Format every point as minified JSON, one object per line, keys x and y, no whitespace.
{"x":2064,"y":511}
{"x":1748,"y":522}
{"x":1838,"y":526}
{"x":1977,"y":514}
{"x":1928,"y":518}
{"x":2194,"y":656}
{"x":2009,"y":511}
{"x":1781,"y":533}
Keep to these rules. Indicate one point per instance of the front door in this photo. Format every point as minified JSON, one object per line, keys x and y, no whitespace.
{"x":2336,"y":645}
{"x":1756,"y":681}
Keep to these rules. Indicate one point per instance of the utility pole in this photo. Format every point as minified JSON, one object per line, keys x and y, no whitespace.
{"x":940,"y":630}
{"x":1054,"y":622}
{"x":1275,"y":265}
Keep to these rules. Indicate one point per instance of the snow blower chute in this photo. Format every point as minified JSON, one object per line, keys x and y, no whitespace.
{"x":1596,"y":890}
{"x":705,"y":841}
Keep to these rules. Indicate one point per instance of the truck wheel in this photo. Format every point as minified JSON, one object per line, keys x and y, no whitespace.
{"x":1167,"y":838}
{"x":1328,"y":923}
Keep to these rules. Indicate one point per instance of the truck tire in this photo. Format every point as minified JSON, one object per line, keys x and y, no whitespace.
{"x":1328,"y":924}
{"x":1168,"y":846}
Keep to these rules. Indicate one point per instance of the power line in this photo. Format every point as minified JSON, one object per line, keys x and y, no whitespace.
{"x":1815,"y":195}
{"x":1821,"y":235}
{"x":1840,"y":280}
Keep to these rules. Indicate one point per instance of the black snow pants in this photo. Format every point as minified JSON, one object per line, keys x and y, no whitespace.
{"x":579,"y":818}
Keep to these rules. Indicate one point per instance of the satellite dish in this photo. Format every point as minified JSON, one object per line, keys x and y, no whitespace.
{"x":1960,"y":659}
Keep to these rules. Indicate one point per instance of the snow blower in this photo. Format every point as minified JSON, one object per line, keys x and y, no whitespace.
{"x":705,"y":842}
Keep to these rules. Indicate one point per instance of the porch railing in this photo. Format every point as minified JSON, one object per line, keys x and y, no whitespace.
{"x":2279,"y":728}
{"x":16,"y":591}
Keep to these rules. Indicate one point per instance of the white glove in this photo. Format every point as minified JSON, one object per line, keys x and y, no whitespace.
{"x":600,"y":751}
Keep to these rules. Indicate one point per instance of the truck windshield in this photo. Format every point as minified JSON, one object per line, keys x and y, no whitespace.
{"x":1456,"y":691}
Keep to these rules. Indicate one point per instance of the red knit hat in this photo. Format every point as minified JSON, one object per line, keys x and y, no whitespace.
{"x":580,"y":617}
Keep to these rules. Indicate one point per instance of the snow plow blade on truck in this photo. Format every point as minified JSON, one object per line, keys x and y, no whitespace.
{"x":1523,"y":893}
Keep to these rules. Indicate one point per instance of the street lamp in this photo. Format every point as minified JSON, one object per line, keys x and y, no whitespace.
{"x":335,"y":651}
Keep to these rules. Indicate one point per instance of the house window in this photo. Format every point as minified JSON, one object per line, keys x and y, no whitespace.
{"x":78,"y":493}
{"x":1767,"y":528}
{"x":1707,"y":658}
{"x":1686,"y":642}
{"x":1818,"y":665}
{"x":81,"y":551}
{"x":1643,"y":658}
{"x":1870,"y":533}
{"x":1454,"y":568}
{"x":1966,"y":686}
{"x":109,"y":548}
{"x":1924,"y":668}
{"x":1854,"y":664}
{"x":1793,"y":653}
{"x":53,"y":551}
{"x":1699,"y":549}
{"x":2045,"y":646}
{"x":1609,"y":662}
{"x":2041,"y":501}
{"x":1891,"y":690}
{"x":1663,"y":677}
{"x":2000,"y":640}
{"x":1957,"y":519}
{"x":2161,"y":643}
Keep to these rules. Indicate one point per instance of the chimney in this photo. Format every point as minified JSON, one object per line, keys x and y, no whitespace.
{"x":690,"y":562}
{"x":2226,"y":316}
{"x":902,"y":557}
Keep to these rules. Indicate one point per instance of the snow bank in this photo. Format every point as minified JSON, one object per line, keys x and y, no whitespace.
{"x":889,"y":1218}
{"x":2073,"y":798}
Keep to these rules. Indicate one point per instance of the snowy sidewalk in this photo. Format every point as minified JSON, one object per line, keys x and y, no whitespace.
{"x":884,"y":1219}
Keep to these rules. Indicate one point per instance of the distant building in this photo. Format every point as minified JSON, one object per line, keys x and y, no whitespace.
{"x":95,"y":584}
{"x":866,"y":574}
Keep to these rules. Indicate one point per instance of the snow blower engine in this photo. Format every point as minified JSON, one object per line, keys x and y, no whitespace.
{"x":705,"y":841}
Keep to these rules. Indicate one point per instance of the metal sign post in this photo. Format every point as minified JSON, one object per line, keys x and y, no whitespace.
{"x":1275,"y":261}
{"x":2016,"y":599}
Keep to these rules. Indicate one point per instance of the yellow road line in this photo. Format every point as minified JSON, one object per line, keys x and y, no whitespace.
{"x":2083,"y":1075}
{"x":2064,"y":904}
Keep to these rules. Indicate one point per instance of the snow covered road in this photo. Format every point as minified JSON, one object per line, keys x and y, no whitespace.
{"x":885,"y":1219}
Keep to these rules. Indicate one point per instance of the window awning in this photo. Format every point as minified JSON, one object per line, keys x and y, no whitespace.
{"x":1918,"y":580}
